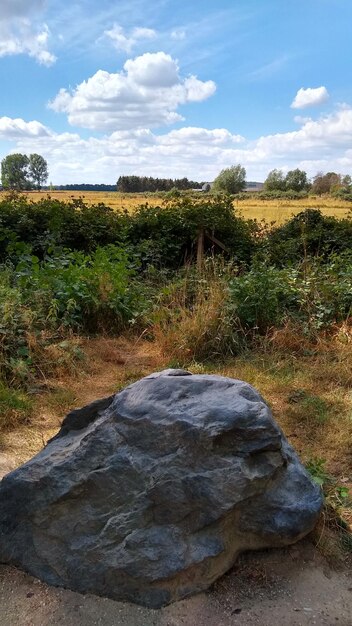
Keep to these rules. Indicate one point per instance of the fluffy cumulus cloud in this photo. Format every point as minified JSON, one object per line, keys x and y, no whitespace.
{"x":145,"y":94}
{"x":127,"y":41}
{"x":310,"y":97}
{"x":19,"y":34}
{"x":16,"y":129}
{"x":324,"y":136}
{"x":198,"y":153}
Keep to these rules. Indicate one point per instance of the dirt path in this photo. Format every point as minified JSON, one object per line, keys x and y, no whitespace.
{"x":271,"y":588}
{"x":295,"y":586}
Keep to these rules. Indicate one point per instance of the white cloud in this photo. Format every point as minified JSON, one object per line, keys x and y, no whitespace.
{"x":322,"y":136}
{"x":23,"y":41}
{"x":145,"y":94}
{"x":20,"y":35}
{"x":198,"y":153}
{"x":126,"y":42}
{"x":309,"y":97}
{"x":15,"y":129}
{"x":152,"y":70}
{"x":197,"y":136}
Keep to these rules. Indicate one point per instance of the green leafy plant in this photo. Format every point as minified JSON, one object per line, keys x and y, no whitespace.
{"x":337,"y":498}
{"x":15,"y":407}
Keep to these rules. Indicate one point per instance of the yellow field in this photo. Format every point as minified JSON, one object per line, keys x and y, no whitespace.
{"x":113,"y":199}
{"x":278,"y":211}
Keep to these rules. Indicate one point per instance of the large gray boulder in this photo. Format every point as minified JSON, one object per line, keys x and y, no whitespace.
{"x":151,"y":494}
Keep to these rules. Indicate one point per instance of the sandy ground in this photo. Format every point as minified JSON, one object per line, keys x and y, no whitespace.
{"x":293,"y":586}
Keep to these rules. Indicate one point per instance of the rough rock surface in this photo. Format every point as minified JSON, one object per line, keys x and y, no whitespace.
{"x":151,"y":494}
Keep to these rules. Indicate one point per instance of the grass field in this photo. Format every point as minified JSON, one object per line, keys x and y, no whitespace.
{"x":278,"y":211}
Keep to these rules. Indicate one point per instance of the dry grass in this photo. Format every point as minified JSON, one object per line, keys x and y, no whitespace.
{"x":117,"y":201}
{"x":109,"y":365}
{"x":190,"y":324}
{"x":310,"y":393}
{"x":311,"y":397}
{"x":278,"y":211}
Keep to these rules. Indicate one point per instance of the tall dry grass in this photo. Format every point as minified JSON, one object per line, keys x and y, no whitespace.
{"x":191,"y":322}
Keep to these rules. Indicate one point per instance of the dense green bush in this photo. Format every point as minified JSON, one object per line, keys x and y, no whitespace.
{"x":50,"y":222}
{"x":42,"y":302}
{"x":167,"y":236}
{"x":219,"y":312}
{"x":82,"y":292}
{"x":16,"y":322}
{"x":164,"y":236}
{"x":314,"y":295}
{"x":310,"y":233}
{"x":261,"y":298}
{"x":300,"y":272}
{"x":343,"y":194}
{"x":288,"y":194}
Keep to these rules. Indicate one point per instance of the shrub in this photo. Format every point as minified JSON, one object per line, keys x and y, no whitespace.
{"x":219,"y":312}
{"x":170,"y":233}
{"x":29,"y":344}
{"x":42,"y":302}
{"x":88,"y":293}
{"x":262,"y":298}
{"x":16,"y":321}
{"x":49,"y":223}
{"x":308,"y":234}
{"x":288,"y":194}
{"x":313,"y":295}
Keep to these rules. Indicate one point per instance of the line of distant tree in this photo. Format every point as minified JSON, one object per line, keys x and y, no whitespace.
{"x":136,"y":184}
{"x":297,"y":180}
{"x":85,"y":187}
{"x":21,"y":172}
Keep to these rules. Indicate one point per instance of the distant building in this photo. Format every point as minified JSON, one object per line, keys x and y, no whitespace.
{"x":254,"y":186}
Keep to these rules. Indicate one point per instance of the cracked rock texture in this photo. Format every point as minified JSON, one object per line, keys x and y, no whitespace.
{"x":151,"y":494}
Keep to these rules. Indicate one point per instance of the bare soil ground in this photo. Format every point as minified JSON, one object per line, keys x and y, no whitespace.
{"x":294,"y":586}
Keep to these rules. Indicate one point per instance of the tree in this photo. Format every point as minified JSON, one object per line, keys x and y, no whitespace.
{"x":347,"y":182}
{"x":230,"y":180}
{"x":20,"y":172}
{"x":275,"y":181}
{"x":296,"y":180}
{"x":38,"y":170}
{"x":326,"y":183}
{"x":14,"y":172}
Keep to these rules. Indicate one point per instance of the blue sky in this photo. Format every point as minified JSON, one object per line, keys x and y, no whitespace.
{"x":168,"y":88}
